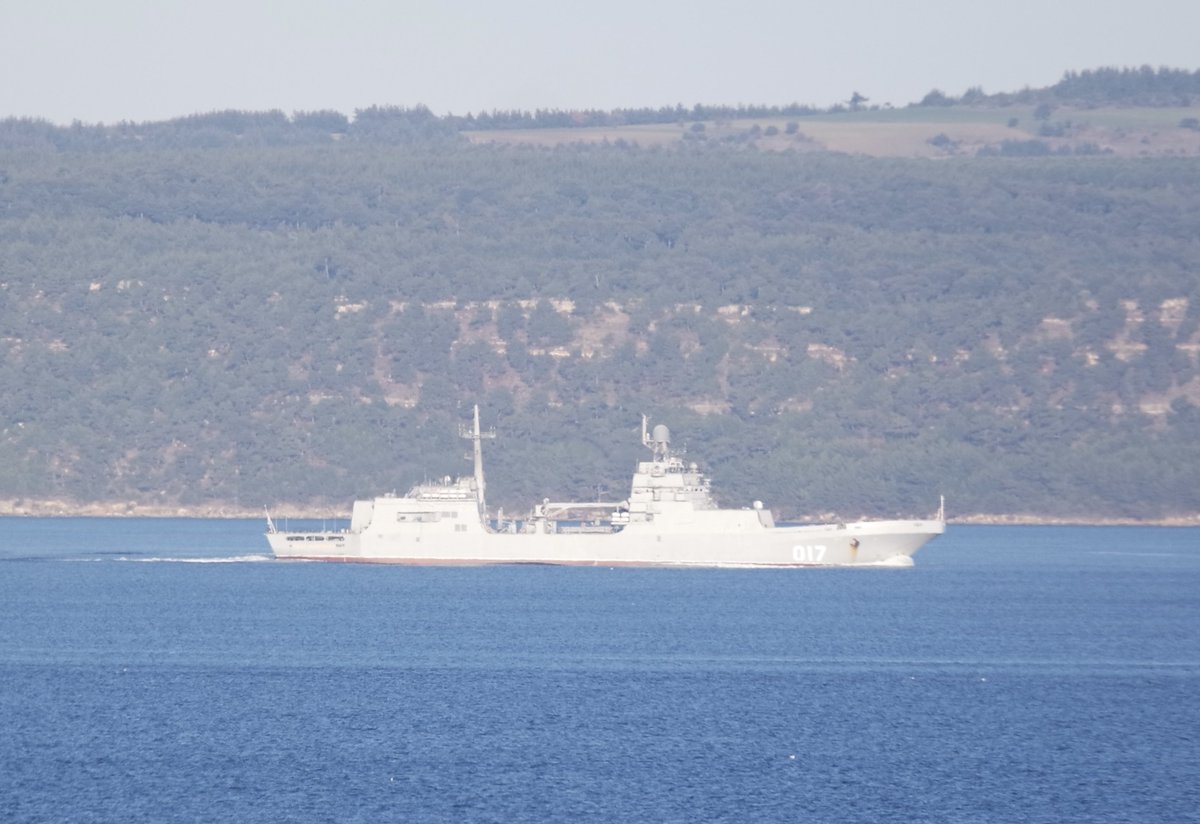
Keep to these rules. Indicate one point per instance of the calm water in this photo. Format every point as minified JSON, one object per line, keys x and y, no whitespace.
{"x":158,"y":670}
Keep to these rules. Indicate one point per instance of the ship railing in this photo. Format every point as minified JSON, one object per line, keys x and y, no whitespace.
{"x":557,"y":509}
{"x":436,"y":494}
{"x":588,"y":529}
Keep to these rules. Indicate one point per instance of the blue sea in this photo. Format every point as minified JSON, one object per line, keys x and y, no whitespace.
{"x":169,"y":670}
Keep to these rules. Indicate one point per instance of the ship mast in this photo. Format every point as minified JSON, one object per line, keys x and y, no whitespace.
{"x":476,"y":437}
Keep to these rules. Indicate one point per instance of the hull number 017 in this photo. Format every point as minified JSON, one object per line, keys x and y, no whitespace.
{"x":808,"y":553}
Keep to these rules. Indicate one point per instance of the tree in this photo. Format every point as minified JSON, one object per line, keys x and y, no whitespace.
{"x":547,"y":327}
{"x":936,"y":97}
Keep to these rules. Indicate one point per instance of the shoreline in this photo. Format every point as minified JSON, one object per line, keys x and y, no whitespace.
{"x":56,"y":508}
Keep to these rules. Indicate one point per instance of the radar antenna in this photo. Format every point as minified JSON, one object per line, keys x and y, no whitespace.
{"x":658,"y":440}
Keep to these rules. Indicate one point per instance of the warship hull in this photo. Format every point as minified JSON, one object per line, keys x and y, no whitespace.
{"x":868,"y":543}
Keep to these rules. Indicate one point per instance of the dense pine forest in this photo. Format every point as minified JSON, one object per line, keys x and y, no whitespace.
{"x":248,"y":309}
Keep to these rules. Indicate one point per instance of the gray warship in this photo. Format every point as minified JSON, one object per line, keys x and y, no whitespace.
{"x":669,"y":519}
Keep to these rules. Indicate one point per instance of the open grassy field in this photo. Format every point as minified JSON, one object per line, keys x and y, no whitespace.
{"x":907,"y":132}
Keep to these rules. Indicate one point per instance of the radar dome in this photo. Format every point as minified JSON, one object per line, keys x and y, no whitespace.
{"x":661,"y":434}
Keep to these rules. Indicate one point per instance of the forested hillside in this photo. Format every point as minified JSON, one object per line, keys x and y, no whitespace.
{"x":251,"y":321}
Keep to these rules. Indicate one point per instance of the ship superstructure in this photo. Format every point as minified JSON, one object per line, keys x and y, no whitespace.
{"x":669,"y":519}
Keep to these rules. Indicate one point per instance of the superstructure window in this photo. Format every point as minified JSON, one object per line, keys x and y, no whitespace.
{"x":418,"y":517}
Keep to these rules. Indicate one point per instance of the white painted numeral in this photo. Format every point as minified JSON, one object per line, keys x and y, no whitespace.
{"x":808,"y":553}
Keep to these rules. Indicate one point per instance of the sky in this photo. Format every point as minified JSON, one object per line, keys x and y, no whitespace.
{"x":107,"y":61}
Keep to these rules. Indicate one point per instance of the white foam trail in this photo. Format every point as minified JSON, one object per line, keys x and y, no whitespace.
{"x":232,"y":559}
{"x":894,"y":561}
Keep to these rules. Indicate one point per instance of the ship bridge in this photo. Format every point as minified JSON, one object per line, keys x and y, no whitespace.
{"x":667,"y":483}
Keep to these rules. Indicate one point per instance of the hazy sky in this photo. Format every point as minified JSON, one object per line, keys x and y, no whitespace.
{"x":112,"y":60}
